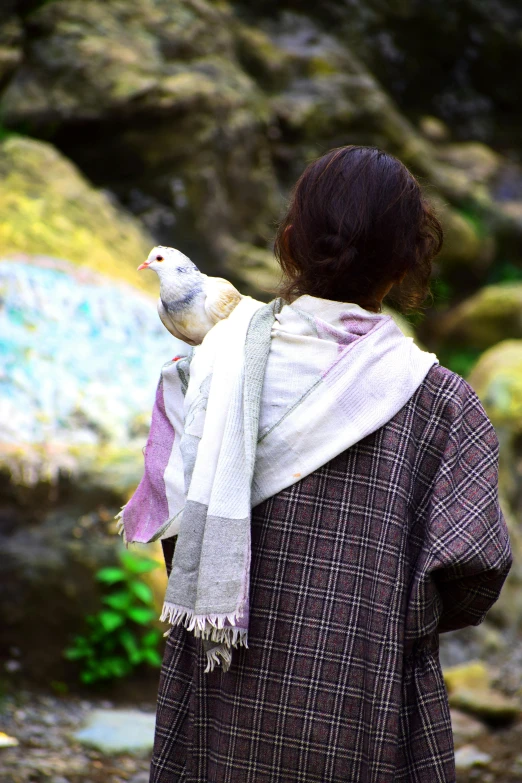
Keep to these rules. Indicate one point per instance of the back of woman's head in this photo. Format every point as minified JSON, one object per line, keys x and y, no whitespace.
{"x":357,"y":220}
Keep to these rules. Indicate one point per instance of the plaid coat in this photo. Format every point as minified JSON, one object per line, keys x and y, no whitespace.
{"x":356,"y":569}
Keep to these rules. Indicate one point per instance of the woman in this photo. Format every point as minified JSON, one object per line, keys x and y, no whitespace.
{"x":357,"y":567}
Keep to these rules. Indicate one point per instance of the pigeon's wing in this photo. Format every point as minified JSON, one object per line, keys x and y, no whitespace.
{"x":221,"y":298}
{"x":169,"y":325}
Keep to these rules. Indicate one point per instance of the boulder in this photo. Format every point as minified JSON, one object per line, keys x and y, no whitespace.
{"x":195,"y":116}
{"x":469,"y":689}
{"x":118,"y":731}
{"x":491,"y":315}
{"x":48,"y":208}
{"x":469,"y":756}
{"x":497,"y":379}
{"x":155,"y":95}
{"x":465,"y":728}
{"x":81,"y":359}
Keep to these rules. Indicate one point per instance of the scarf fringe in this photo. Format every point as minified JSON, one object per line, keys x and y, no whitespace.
{"x":120,"y":525}
{"x":213,"y":657}
{"x":210,"y":627}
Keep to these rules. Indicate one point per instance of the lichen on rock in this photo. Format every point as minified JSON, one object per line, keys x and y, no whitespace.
{"x":81,"y":357}
{"x":48,"y":208}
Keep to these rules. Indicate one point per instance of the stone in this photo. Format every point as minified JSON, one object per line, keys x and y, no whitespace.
{"x":478,"y":160}
{"x":82,"y":357}
{"x":497,"y":379}
{"x":118,"y":731}
{"x":191,"y":114}
{"x":491,"y":315}
{"x":7,"y":742}
{"x":469,"y":690}
{"x":469,"y":756}
{"x":47,"y":207}
{"x":465,"y":728}
{"x":433,"y":128}
{"x":473,"y":674}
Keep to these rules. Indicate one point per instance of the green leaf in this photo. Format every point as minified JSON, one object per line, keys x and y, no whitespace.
{"x":117,"y":666}
{"x":128,"y":641}
{"x":142,"y":591}
{"x":120,"y":600}
{"x":110,"y":575}
{"x":137,"y":564}
{"x":110,"y":620}
{"x":74,"y":653}
{"x":141,"y":615}
{"x":151,"y":656}
{"x":151,"y":638}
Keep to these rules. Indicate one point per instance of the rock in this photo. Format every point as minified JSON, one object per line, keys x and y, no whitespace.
{"x":118,"y":731}
{"x":493,"y":314}
{"x":48,"y":208}
{"x":479,"y":161}
{"x":497,"y":379}
{"x":332,"y":95}
{"x":469,"y":690}
{"x":433,"y":128}
{"x":81,"y":360}
{"x":172,"y":108}
{"x":11,"y":54}
{"x":469,"y":756}
{"x":463,"y":247}
{"x":7,"y":742}
{"x":470,"y":675}
{"x":399,"y":43}
{"x":255,"y":270}
{"x":465,"y":728}
{"x":195,"y":109}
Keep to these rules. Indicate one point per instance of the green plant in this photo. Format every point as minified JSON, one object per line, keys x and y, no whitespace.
{"x":442,"y":292}
{"x":504,"y":272}
{"x":460,"y":360}
{"x":117,"y":639}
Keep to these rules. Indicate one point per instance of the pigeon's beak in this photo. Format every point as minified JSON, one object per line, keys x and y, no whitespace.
{"x":143,"y":266}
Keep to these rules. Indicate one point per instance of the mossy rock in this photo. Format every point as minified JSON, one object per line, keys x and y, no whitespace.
{"x":81,"y":358}
{"x":254,"y":269}
{"x":469,"y":689}
{"x":48,"y":208}
{"x":478,"y":160}
{"x":127,"y":59}
{"x":493,"y":314}
{"x":497,"y":379}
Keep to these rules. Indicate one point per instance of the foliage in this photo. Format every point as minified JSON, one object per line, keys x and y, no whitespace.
{"x":504,"y":272}
{"x":117,"y":639}
{"x":459,"y":360}
{"x":442,"y":292}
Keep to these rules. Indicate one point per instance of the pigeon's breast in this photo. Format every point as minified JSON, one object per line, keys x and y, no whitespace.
{"x":177,"y":305}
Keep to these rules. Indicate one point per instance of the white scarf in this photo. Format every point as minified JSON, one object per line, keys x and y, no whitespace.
{"x":273,"y":393}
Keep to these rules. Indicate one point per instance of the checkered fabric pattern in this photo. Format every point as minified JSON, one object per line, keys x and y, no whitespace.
{"x":356,"y":569}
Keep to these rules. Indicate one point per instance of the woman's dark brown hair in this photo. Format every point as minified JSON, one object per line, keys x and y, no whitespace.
{"x":357,"y":221}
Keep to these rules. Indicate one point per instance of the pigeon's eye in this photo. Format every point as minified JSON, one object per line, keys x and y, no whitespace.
{"x":159,"y":258}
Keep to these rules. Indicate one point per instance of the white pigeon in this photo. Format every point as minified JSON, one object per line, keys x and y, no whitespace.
{"x":190,"y":302}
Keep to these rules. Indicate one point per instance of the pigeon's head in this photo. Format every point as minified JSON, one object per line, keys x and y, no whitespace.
{"x":168,"y":260}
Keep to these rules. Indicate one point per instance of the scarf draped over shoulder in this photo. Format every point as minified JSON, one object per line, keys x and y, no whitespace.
{"x":273,"y":392}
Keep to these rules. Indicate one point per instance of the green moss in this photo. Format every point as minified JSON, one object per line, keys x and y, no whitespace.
{"x":505,"y":272}
{"x":48,"y":208}
{"x":460,"y":360}
{"x":268,"y":64}
{"x":497,"y":379}
{"x":321,"y":66}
